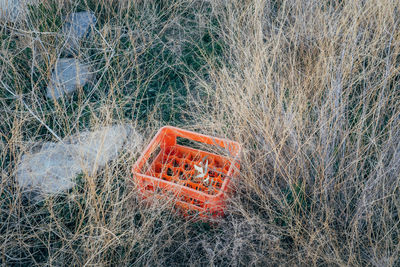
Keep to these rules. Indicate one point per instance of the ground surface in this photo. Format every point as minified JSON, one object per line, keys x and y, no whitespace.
{"x":309,"y":88}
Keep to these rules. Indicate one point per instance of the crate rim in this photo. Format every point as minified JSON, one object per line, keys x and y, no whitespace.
{"x":136,"y":170}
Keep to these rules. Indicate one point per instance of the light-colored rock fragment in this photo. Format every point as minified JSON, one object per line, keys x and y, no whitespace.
{"x":76,"y":28}
{"x":54,"y":167}
{"x":51,"y":170}
{"x":67,"y":76}
{"x":95,"y":149}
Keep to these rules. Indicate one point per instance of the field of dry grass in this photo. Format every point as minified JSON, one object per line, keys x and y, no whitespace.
{"x":309,"y":88}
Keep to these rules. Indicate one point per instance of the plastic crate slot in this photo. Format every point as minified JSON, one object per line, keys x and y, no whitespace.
{"x":175,"y":162}
{"x":196,"y":158}
{"x":158,"y":167}
{"x":218,"y":164}
{"x":187,"y":167}
{"x":171,"y":151}
{"x":212,"y":174}
{"x":170,"y":172}
{"x":180,"y":173}
{"x":180,"y":154}
{"x":189,"y":157}
{"x":198,"y":203}
{"x":149,"y":187}
{"x":227,"y":167}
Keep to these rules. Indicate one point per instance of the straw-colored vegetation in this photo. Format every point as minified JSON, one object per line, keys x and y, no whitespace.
{"x":309,"y":88}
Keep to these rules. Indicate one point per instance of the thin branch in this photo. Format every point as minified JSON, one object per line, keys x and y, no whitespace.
{"x":31,"y":112}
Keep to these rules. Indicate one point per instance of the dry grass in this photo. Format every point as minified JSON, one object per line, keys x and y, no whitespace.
{"x":310,"y":88}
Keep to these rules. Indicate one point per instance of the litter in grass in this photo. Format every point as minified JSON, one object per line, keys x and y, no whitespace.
{"x":70,"y":73}
{"x":77,"y":27}
{"x":54,"y":167}
{"x":67,"y":76}
{"x":198,"y":180}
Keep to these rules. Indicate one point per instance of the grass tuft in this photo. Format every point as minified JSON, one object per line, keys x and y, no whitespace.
{"x":309,"y":88}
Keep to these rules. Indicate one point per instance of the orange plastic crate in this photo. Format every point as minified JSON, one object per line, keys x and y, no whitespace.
{"x":168,"y":169}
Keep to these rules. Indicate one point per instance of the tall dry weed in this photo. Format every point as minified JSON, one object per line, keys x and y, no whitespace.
{"x":310,"y":88}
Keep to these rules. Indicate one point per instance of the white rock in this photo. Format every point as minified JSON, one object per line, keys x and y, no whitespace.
{"x":54,"y":167}
{"x":67,"y":76}
{"x":51,"y":170}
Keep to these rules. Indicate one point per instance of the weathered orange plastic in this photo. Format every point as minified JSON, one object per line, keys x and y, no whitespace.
{"x":171,"y":172}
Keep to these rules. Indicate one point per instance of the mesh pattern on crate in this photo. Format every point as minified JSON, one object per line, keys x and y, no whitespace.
{"x":177,"y":165}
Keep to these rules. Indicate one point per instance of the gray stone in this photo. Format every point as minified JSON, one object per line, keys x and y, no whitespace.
{"x":67,"y":76}
{"x":53,"y":168}
{"x":77,"y":27}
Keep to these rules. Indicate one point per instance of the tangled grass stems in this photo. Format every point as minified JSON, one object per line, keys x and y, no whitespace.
{"x":309,"y":88}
